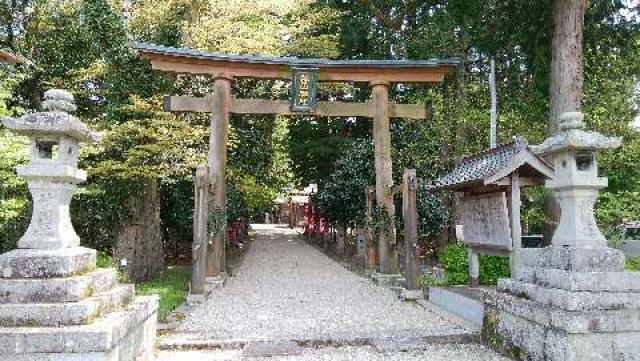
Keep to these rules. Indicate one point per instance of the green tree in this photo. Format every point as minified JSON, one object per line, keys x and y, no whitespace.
{"x":518,"y":35}
{"x":14,"y":205}
{"x":342,"y":198}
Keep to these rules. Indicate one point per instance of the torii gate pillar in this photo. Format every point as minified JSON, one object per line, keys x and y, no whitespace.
{"x":384,"y":178}
{"x":217,"y":161}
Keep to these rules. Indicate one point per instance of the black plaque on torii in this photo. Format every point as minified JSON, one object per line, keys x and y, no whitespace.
{"x":304,"y":89}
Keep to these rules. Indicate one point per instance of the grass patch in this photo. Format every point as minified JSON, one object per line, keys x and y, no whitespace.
{"x":105,"y":260}
{"x":172,"y":286}
{"x":633,"y":264}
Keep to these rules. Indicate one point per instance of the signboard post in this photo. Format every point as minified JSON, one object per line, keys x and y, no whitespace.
{"x":490,"y":182}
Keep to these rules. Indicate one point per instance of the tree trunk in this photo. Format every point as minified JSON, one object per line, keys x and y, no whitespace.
{"x":139,"y":238}
{"x":565,"y":83}
{"x":567,"y":75}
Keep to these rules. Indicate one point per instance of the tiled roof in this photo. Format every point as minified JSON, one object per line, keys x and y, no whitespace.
{"x":480,"y":166}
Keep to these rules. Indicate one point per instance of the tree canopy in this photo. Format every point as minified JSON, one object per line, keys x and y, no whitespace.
{"x":83,"y":46}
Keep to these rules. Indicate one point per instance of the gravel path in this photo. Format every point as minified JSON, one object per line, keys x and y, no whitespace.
{"x":286,"y":290}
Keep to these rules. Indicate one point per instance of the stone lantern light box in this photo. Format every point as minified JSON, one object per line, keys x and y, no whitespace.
{"x":52,"y":172}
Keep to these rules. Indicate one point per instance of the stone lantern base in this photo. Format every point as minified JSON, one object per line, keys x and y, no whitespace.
{"x":569,"y":304}
{"x":55,"y":305}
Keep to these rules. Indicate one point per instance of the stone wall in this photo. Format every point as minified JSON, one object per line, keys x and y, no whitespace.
{"x":139,"y":236}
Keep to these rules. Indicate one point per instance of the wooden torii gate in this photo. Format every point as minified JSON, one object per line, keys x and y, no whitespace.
{"x":304,"y":74}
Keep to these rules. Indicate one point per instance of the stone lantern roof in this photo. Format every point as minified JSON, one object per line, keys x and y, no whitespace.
{"x":55,"y":120}
{"x":574,"y":136}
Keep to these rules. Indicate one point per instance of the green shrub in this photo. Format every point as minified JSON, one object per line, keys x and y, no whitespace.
{"x":15,"y":204}
{"x":432,"y":215}
{"x":429,"y":280}
{"x":492,"y":268}
{"x":633,"y":264}
{"x":15,"y":215}
{"x":96,"y":210}
{"x":614,"y":209}
{"x":341,"y":198}
{"x":455,"y":260}
{"x":533,"y":216}
{"x":105,"y":260}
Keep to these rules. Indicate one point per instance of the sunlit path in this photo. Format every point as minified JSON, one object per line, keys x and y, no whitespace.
{"x":286,"y":290}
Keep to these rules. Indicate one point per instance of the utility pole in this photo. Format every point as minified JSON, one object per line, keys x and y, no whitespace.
{"x":494,"y":106}
{"x":126,"y":15}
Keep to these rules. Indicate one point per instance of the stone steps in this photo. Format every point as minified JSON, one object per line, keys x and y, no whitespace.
{"x":574,"y":259}
{"x":570,"y":300}
{"x":572,"y":322}
{"x":466,"y":352}
{"x":582,"y":281}
{"x":39,"y":263}
{"x":67,"y":313}
{"x":125,"y":330}
{"x":50,"y":290}
{"x":409,"y":339}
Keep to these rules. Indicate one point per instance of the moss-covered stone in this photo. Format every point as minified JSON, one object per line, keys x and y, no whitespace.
{"x":492,"y":338}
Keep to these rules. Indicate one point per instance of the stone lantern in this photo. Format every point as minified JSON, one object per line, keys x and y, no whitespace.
{"x":55,"y":304}
{"x":52,"y":172}
{"x":576,"y":183}
{"x":573,"y":300}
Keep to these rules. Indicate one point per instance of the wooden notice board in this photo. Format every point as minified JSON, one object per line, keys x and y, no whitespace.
{"x":486,"y":221}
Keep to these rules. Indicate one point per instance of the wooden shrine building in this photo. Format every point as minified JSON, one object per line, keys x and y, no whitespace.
{"x":304,"y":74}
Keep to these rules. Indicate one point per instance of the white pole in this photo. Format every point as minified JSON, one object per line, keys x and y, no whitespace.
{"x":494,"y":105}
{"x":126,"y":13}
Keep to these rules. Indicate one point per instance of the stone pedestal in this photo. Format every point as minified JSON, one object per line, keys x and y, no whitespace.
{"x":213,"y":283}
{"x":569,"y":304}
{"x":393,"y":280}
{"x":55,"y":305}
